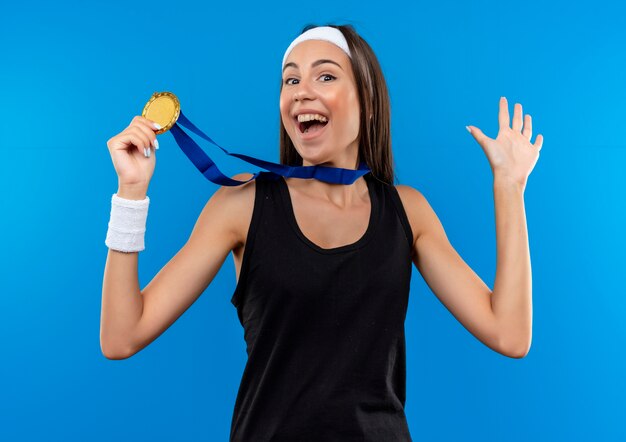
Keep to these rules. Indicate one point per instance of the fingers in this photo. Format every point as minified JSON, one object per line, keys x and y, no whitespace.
{"x":539,"y":142}
{"x":478,"y":135}
{"x":138,"y":119}
{"x":149,"y":132}
{"x":504,"y":122}
{"x":140,"y":139}
{"x":528,"y":127}
{"x":517,"y":117}
{"x":147,"y":128}
{"x":503,"y":114}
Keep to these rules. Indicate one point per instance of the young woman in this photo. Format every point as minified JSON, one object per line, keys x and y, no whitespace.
{"x":323,"y":270}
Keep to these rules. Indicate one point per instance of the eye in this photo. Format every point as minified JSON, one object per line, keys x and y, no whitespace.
{"x":323,"y":75}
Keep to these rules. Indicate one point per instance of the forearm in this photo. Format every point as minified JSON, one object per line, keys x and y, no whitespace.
{"x":511,"y":298}
{"x":122,"y":302}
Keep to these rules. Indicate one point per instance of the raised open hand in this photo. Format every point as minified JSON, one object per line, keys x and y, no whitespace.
{"x":511,"y":154}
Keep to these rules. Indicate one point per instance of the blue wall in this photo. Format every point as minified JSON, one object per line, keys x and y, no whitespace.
{"x":74,"y":74}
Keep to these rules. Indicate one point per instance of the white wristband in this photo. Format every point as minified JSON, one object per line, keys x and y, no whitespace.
{"x":127,"y":225}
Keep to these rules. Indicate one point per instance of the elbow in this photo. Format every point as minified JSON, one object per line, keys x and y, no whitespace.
{"x":519,"y":354}
{"x":115,"y":345}
{"x":115,"y":353}
{"x":116,"y":356}
{"x":514,"y":343}
{"x":518,"y":351}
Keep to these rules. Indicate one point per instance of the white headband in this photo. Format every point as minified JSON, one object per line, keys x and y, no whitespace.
{"x":327,"y":33}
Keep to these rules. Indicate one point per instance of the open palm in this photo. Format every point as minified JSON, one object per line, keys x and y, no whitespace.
{"x":511,"y":153}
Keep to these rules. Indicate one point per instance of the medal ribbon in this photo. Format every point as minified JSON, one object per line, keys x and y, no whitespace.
{"x":209,"y":169}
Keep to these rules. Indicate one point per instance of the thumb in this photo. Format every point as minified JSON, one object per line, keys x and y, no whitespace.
{"x":478,"y":135}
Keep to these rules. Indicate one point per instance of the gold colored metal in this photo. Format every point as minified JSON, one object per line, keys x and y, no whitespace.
{"x":162,"y":108}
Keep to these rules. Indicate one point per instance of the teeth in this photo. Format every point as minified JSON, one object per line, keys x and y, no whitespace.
{"x":309,"y":117}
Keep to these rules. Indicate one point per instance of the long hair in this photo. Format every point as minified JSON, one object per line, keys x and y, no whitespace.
{"x":374,"y":133}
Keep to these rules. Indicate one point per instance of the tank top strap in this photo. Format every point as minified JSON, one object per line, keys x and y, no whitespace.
{"x":397,"y":202}
{"x":260,"y":194}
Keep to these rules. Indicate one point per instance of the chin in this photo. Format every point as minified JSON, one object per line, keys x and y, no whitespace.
{"x":314,"y":159}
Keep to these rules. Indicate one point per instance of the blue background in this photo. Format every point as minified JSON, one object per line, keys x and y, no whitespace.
{"x":74,"y":75}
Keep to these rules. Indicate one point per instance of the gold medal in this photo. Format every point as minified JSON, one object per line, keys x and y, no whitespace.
{"x":162,"y":108}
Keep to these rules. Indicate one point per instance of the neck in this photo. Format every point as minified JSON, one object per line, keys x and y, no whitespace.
{"x":342,"y":195}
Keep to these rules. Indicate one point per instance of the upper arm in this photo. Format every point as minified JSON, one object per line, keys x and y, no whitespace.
{"x":454,"y":283}
{"x":185,"y":277}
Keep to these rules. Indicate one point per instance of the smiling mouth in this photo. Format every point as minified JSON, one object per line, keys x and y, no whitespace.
{"x":310,"y":126}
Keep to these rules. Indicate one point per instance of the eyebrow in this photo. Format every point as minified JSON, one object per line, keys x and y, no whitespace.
{"x":315,"y":63}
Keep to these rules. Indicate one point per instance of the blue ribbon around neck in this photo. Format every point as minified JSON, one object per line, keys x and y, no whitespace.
{"x":208,"y":168}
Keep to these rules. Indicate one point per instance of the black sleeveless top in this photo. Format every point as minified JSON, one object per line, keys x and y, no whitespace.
{"x":324,"y":328}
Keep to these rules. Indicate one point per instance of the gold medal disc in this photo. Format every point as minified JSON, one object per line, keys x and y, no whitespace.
{"x":162,"y":108}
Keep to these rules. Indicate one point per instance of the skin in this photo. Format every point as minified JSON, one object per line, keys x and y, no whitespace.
{"x":332,"y":215}
{"x":307,"y":87}
{"x":500,"y":318}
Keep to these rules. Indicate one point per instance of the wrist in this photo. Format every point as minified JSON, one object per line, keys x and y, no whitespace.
{"x":500,"y":180}
{"x":127,"y":224}
{"x":130,"y":192}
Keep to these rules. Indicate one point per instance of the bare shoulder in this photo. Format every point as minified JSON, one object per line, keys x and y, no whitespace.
{"x":417,"y":208}
{"x":237,"y":204}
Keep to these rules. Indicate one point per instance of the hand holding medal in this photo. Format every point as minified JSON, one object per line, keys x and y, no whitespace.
{"x":162,"y":113}
{"x":164,"y":109}
{"x":131,"y":153}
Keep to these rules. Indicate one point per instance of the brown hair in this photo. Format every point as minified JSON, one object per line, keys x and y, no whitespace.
{"x":374,"y":133}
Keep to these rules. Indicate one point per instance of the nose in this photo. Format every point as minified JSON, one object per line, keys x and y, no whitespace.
{"x":303,"y":90}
